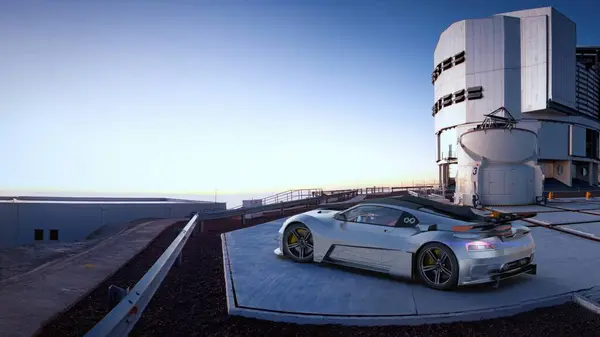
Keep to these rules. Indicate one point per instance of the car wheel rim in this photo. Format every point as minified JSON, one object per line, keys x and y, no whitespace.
{"x":300,"y":243}
{"x":436,"y":266}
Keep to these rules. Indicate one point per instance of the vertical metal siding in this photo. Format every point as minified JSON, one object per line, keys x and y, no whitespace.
{"x":512,"y":65}
{"x":534,"y":73}
{"x":485,"y":67}
{"x":563,"y":66}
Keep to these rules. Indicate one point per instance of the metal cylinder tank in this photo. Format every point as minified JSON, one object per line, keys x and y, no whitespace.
{"x":498,"y":166}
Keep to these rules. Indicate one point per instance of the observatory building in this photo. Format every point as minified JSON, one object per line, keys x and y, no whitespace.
{"x":516,"y":108}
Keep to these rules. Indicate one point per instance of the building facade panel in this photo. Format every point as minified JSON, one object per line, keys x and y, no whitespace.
{"x":450,"y":116}
{"x":33,"y":222}
{"x":451,"y":42}
{"x":563,"y":55}
{"x":485,"y":45}
{"x":534,"y":63}
{"x":74,"y":221}
{"x":9,"y":229}
{"x":576,"y":141}
{"x":553,"y":141}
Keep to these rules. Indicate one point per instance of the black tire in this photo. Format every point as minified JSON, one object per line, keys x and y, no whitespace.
{"x":444,"y":268}
{"x":298,"y":243}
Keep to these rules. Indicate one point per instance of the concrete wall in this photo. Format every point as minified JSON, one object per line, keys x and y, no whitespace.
{"x":563,"y":172}
{"x":75,"y":221}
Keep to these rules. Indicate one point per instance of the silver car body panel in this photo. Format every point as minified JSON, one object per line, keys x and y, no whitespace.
{"x":392,"y":250}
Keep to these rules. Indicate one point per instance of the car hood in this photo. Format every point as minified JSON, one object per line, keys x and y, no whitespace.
{"x":321,"y":214}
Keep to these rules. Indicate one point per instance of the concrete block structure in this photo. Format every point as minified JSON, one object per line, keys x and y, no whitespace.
{"x":527,"y":62}
{"x":30,"y":220}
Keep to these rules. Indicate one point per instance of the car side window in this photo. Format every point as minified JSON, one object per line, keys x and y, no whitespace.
{"x":407,"y":220}
{"x":374,"y":215}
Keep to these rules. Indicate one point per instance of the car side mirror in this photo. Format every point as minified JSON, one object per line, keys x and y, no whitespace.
{"x":340,"y":216}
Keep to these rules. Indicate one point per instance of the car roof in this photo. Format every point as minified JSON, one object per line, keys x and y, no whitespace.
{"x":416,"y":203}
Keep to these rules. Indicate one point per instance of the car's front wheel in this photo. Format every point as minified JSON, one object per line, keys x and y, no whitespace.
{"x":298,"y":243}
{"x":437,"y":266}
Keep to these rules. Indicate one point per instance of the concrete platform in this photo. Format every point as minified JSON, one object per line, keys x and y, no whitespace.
{"x":565,"y":217}
{"x":525,"y":209}
{"x":592,"y":228}
{"x":261,"y":285}
{"x":574,"y":206}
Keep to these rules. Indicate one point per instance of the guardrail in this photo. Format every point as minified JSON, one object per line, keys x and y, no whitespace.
{"x":123,"y":317}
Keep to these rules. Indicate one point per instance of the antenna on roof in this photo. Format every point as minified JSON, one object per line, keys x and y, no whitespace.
{"x":492,"y":120}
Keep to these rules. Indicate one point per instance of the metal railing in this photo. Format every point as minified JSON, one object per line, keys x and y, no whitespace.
{"x":287,"y":196}
{"x":445,"y":155}
{"x":123,"y":317}
{"x":292,"y":195}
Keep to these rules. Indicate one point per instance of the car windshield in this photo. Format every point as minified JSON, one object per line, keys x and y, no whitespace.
{"x":374,"y":215}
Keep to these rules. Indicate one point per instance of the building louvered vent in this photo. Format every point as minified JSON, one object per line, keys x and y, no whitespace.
{"x":457,"y":97}
{"x":588,"y":90}
{"x":459,"y":58}
{"x":446,"y":65}
{"x":475,"y":92}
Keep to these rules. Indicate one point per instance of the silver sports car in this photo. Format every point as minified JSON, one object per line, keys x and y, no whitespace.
{"x":444,"y":245}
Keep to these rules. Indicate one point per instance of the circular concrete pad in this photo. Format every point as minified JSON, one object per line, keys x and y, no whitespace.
{"x":263,"y":285}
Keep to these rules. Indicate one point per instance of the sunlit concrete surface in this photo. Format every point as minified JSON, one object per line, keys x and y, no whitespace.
{"x":561,"y":218}
{"x":575,"y":206}
{"x":30,"y":300}
{"x":580,"y":199}
{"x":592,"y":228}
{"x":262,"y":285}
{"x":524,"y":209}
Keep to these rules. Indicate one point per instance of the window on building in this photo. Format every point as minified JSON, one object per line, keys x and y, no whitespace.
{"x":38,"y":234}
{"x":591,"y":143}
{"x":54,"y":234}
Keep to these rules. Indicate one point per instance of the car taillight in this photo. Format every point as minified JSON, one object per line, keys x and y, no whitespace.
{"x":479,"y":246}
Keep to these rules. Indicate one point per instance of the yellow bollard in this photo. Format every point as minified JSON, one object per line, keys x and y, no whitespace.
{"x":550,"y":195}
{"x":588,"y":195}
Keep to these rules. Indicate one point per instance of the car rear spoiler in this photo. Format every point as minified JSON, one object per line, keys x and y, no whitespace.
{"x":497,"y":222}
{"x":500,"y":217}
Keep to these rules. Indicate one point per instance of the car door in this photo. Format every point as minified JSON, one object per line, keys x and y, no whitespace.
{"x":396,"y":257}
{"x":363,"y":235}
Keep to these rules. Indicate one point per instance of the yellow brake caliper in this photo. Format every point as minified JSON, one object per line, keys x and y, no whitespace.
{"x":292,"y":238}
{"x":429,"y":260}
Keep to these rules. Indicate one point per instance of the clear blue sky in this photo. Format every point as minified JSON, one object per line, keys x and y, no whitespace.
{"x":240,"y":96}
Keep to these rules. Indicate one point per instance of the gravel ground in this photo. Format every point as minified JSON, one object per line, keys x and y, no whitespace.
{"x":191,"y":302}
{"x":93,"y":307}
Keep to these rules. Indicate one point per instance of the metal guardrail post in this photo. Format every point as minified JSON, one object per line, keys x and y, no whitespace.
{"x":123,"y":317}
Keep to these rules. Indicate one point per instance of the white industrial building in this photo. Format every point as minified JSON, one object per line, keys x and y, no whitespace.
{"x":527,"y":63}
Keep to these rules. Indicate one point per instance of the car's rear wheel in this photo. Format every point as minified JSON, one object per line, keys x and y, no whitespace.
{"x":437,"y":266}
{"x":298,"y":243}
